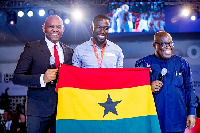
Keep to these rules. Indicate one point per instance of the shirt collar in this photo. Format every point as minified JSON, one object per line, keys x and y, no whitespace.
{"x":51,"y":44}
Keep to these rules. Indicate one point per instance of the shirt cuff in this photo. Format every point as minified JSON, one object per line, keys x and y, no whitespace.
{"x":42,"y":83}
{"x":191,"y":111}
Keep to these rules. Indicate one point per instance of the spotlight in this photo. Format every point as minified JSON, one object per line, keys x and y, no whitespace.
{"x":185,"y":12}
{"x":41,"y":12}
{"x":193,"y":17}
{"x":20,"y":13}
{"x":30,"y":13}
{"x":77,"y":15}
{"x":12,"y":18}
{"x":51,"y":12}
{"x":12,"y":22}
{"x":67,"y":21}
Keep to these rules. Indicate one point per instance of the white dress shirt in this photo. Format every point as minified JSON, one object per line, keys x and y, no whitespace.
{"x":50,"y":45}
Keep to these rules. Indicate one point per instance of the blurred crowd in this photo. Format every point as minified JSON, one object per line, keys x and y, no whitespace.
{"x":124,"y":19}
{"x":11,"y":121}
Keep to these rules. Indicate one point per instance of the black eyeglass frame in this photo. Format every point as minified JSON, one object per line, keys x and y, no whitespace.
{"x":164,"y":44}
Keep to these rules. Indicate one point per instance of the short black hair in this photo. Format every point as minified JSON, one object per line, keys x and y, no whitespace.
{"x":100,"y":16}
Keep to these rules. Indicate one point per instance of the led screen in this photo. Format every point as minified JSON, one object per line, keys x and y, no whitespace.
{"x":136,"y":16}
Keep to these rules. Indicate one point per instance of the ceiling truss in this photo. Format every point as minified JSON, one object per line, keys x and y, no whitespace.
{"x":47,"y":3}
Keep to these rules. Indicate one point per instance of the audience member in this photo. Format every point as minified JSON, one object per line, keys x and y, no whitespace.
{"x":21,"y":125}
{"x":8,"y":122}
{"x":2,"y":122}
{"x":5,"y":102}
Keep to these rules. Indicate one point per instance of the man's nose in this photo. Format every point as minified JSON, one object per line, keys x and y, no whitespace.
{"x":167,"y":46}
{"x":55,"y":28}
{"x":102,"y":30}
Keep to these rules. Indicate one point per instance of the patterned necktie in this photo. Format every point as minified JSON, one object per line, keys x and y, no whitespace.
{"x":57,"y":62}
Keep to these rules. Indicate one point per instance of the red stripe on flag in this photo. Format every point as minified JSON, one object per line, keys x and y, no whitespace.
{"x":102,"y":78}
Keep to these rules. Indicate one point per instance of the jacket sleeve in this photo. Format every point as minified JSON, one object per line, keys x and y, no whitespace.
{"x":22,"y":73}
{"x":191,"y":102}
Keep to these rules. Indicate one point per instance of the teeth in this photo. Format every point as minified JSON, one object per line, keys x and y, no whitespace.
{"x":100,"y":36}
{"x":167,"y":51}
{"x":54,"y":34}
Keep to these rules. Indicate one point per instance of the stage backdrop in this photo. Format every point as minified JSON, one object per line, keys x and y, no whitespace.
{"x":107,"y":100}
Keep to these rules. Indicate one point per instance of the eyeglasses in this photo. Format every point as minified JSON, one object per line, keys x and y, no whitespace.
{"x":164,"y":44}
{"x":98,"y":28}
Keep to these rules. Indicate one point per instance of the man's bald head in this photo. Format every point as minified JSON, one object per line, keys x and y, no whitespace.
{"x":161,"y":34}
{"x":53,"y":17}
{"x":53,"y":28}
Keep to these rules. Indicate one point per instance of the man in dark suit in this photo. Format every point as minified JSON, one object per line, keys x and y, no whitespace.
{"x":33,"y":70}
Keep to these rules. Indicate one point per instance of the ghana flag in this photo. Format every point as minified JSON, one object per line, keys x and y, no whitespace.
{"x":106,"y":100}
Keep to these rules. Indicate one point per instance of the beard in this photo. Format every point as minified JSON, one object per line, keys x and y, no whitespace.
{"x":99,"y":41}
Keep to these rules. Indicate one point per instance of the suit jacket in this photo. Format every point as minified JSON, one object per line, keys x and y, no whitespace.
{"x":34,"y":61}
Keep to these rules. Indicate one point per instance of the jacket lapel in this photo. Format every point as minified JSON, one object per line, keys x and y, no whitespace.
{"x":45,"y":49}
{"x":64,"y":52}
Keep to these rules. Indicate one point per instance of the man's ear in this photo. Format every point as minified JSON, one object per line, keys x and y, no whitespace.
{"x":91,"y":28}
{"x":154,"y":45}
{"x":43,"y":28}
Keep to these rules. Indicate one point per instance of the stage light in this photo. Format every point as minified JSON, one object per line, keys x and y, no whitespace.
{"x":12,"y":18}
{"x":20,"y":13}
{"x":51,"y":12}
{"x":185,"y":12}
{"x":77,"y":15}
{"x":193,"y":17}
{"x":41,"y":12}
{"x":12,"y":22}
{"x":67,"y":21}
{"x":30,"y":13}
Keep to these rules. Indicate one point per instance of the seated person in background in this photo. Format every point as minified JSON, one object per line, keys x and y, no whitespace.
{"x":21,"y":126}
{"x":173,"y":91}
{"x":9,"y":122}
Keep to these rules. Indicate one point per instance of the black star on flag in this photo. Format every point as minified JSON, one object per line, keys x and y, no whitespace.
{"x":109,"y":106}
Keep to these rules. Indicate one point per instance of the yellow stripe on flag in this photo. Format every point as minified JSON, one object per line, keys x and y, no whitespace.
{"x":83,"y":104}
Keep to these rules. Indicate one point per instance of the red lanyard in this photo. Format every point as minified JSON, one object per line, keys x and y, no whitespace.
{"x":102,"y":53}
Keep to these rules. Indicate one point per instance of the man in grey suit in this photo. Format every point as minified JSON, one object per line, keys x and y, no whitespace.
{"x":33,"y":70}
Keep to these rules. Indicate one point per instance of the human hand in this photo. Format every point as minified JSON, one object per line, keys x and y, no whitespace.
{"x":18,"y":129}
{"x":50,"y":75}
{"x":190,"y":121}
{"x":156,"y":85}
{"x":60,"y":65}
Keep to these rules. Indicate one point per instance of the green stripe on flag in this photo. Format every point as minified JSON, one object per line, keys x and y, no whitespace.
{"x":143,"y":124}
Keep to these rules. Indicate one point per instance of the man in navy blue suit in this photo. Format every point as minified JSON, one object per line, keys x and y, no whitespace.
{"x":33,"y":70}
